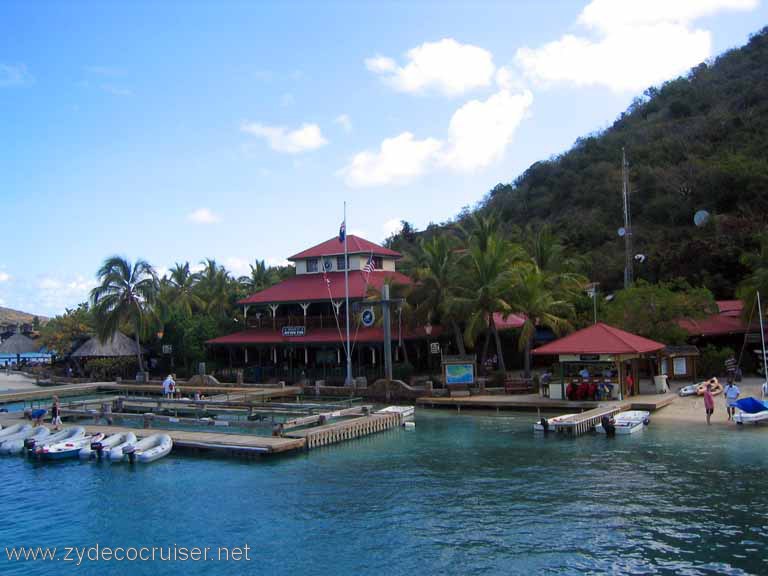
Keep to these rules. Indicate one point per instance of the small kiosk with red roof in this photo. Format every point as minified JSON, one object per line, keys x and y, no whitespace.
{"x":609,"y":355}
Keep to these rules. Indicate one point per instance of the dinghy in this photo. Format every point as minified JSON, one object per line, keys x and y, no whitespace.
{"x":72,"y":433}
{"x":69,"y":448}
{"x":751,"y":410}
{"x":699,"y":388}
{"x":627,"y":422}
{"x":545,"y":423}
{"x":406,"y":412}
{"x":97,"y":449}
{"x":115,"y":454}
{"x":15,"y":429}
{"x":149,"y":449}
{"x":15,"y":443}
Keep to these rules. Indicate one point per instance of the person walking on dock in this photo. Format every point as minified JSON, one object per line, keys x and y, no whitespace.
{"x":168,"y":385}
{"x":56,"y":413}
{"x":709,"y":402}
{"x":731,"y":396}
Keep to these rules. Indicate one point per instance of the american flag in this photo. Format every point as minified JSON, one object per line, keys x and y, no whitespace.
{"x":369,"y":267}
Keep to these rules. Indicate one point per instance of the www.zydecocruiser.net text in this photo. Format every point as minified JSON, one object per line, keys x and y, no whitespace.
{"x":97,"y":553}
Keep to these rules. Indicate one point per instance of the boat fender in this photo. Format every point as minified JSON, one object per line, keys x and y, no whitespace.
{"x":131,"y":452}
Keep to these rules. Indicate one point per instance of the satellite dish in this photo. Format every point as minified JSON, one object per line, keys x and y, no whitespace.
{"x":700,"y":218}
{"x":640,"y":258}
{"x":621,"y":232}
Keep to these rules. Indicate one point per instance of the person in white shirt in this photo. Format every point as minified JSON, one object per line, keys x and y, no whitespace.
{"x":764,"y":389}
{"x":168,"y":385}
{"x":731,"y":396}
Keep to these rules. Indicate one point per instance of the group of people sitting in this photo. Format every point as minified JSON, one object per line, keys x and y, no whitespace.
{"x":585,"y":389}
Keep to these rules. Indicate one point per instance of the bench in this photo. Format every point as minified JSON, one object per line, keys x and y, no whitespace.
{"x":518,"y":386}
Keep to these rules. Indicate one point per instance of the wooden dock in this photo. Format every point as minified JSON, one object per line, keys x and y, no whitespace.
{"x":650,"y":402}
{"x":579,"y":424}
{"x":347,"y":430}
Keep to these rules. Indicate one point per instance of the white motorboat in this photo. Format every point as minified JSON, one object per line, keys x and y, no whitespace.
{"x":540,"y":426}
{"x":69,"y":448}
{"x":149,"y":449}
{"x":15,"y":443}
{"x":105,"y":446}
{"x":747,"y":418}
{"x":12,"y":430}
{"x":751,"y":410}
{"x":627,"y":422}
{"x":72,"y":433}
{"x":407,"y":412}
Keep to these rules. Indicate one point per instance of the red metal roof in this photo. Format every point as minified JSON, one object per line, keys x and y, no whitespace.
{"x":715,"y":325}
{"x":312,"y":287}
{"x":317,"y":336}
{"x":355,"y":245}
{"x":600,"y":338}
{"x":730,"y":307}
{"x":510,"y":322}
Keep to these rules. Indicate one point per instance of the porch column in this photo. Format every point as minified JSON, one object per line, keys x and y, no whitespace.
{"x":274,"y":308}
{"x":304,"y":307}
{"x":245,"y":314}
{"x":245,"y":351}
{"x":338,"y":355}
{"x":373,"y":355}
{"x":306,"y":356}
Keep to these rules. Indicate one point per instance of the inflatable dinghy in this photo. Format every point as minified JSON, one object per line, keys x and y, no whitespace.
{"x":149,"y":449}
{"x":15,"y":444}
{"x":97,"y":449}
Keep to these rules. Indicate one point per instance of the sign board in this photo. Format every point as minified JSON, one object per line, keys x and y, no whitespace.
{"x":167,"y":349}
{"x":368,"y":317}
{"x":434,"y":348}
{"x":294,"y":331}
{"x":589,"y":357}
{"x":459,"y":373}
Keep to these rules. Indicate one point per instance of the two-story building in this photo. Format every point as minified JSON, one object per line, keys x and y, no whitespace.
{"x":296,"y":329}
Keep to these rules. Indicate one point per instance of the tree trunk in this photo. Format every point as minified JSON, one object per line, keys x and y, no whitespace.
{"x":459,"y":338}
{"x":527,"y":358}
{"x":499,"y":351}
{"x":484,"y":356}
{"x":138,"y":351}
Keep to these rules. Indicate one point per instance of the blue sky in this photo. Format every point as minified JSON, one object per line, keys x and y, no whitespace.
{"x":179,"y":131}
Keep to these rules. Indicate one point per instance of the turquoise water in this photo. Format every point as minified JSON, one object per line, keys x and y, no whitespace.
{"x":460,"y":494}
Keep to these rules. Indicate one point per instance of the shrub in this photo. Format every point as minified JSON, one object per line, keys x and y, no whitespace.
{"x":712,"y":361}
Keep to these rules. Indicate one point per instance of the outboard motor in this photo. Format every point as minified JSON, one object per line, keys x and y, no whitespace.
{"x":608,"y":426}
{"x":98,"y":448}
{"x":544,"y":424}
{"x":130,"y":451}
{"x":29,"y":445}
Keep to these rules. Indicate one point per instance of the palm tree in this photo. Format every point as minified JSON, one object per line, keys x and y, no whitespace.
{"x":261,"y":277}
{"x":126,"y":294}
{"x":757,"y":281}
{"x":179,"y":290}
{"x":486,"y":269}
{"x":436,"y":279}
{"x":544,"y":299}
{"x":215,"y":287}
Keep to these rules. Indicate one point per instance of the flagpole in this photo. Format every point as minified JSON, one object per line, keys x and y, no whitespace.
{"x":762,"y":337}
{"x":346,"y":293}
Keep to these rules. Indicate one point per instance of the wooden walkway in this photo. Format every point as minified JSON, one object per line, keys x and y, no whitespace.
{"x":650,"y":402}
{"x":46,"y":392}
{"x":347,"y":430}
{"x":579,"y":424}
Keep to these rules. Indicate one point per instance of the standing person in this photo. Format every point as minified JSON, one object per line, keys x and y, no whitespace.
{"x":764,"y":389}
{"x":709,"y":402}
{"x":630,"y":383}
{"x":730,"y":368}
{"x":167,"y":383}
{"x":56,"y":413}
{"x":731,"y":396}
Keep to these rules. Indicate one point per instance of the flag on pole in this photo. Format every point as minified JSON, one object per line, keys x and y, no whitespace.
{"x":342,"y":231}
{"x":369,"y":267}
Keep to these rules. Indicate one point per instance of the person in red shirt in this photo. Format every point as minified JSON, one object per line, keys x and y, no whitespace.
{"x":630,"y":384}
{"x":709,"y":402}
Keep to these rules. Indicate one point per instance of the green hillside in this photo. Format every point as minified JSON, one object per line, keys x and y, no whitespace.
{"x":696,"y":143}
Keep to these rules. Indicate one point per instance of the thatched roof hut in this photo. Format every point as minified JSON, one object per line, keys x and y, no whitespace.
{"x":118,"y":345}
{"x":19,"y":344}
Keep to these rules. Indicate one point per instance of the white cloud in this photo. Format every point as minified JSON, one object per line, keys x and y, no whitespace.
{"x":4,"y":276}
{"x":344,"y":121}
{"x":237,"y":266}
{"x":632,"y":44}
{"x":399,"y":159}
{"x":480,"y":131}
{"x":56,"y":294}
{"x":203,"y":216}
{"x":392,"y":226}
{"x":14,"y":75}
{"x":281,"y":139}
{"x":478,"y":134}
{"x":446,"y":66}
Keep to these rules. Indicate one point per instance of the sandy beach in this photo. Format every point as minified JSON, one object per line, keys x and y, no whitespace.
{"x":691,"y":408}
{"x":16,"y":381}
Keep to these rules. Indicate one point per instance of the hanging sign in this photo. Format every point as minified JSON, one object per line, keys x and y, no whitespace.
{"x":368,"y":317}
{"x":434,"y":347}
{"x":293,"y":331}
